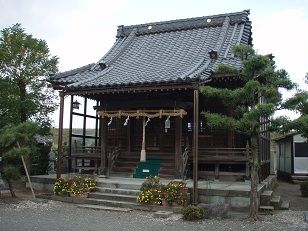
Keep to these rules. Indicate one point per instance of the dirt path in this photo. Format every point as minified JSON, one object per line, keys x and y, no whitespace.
{"x":292,"y":193}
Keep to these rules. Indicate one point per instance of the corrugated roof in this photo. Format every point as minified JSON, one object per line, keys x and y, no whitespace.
{"x":171,"y":51}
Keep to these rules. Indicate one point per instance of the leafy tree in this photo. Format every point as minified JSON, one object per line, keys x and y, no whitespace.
{"x":16,"y":140}
{"x":260,"y":83}
{"x":25,"y":64}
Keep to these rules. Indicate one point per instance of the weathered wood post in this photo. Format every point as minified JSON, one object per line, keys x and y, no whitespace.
{"x":103,"y":143}
{"x":178,"y":147}
{"x":60,"y":135}
{"x":195,"y":144}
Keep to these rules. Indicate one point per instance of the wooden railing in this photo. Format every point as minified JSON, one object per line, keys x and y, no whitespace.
{"x":85,"y":154}
{"x":224,"y":154}
{"x":184,"y":168}
{"x":219,"y":156}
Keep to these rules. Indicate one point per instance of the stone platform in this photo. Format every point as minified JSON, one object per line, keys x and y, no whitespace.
{"x":236,"y":194}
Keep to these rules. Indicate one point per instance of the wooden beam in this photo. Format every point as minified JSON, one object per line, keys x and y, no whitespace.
{"x":60,"y":135}
{"x":195,"y":145}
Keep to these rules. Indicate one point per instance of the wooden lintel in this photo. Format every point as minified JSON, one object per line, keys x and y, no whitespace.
{"x":125,"y":89}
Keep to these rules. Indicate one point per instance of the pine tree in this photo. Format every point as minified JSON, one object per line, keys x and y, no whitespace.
{"x":15,"y":141}
{"x":256,"y":99}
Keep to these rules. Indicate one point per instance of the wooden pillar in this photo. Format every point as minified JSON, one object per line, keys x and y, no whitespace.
{"x":96,"y":125}
{"x":70,"y":136}
{"x":195,"y":145}
{"x":103,"y":143}
{"x":129,"y":148}
{"x":60,"y":134}
{"x":178,"y":146}
{"x":84,"y":122}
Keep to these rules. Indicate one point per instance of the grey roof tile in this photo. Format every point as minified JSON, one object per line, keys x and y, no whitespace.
{"x":170,"y":51}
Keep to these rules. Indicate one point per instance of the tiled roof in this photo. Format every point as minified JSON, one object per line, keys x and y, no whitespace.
{"x":171,"y":51}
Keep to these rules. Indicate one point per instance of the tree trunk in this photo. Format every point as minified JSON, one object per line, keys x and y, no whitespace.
{"x":22,"y":97}
{"x":254,"y":205}
{"x":11,"y":188}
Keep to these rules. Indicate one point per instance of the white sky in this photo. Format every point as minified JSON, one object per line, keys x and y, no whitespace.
{"x":80,"y":32}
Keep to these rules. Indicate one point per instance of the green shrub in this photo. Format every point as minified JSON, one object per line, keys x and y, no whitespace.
{"x":304,"y":188}
{"x":193,"y":212}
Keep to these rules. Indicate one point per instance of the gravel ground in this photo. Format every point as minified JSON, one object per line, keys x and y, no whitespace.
{"x":292,"y":193}
{"x":51,"y":215}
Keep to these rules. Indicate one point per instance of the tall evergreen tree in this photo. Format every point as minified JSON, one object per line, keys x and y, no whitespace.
{"x":257,"y":98}
{"x":25,"y":64}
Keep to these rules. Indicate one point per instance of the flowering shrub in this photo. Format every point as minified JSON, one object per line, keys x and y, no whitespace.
{"x":153,"y":192}
{"x":79,"y":185}
{"x":61,"y":187}
{"x":150,"y":191}
{"x":151,"y":196}
{"x":174,"y":192}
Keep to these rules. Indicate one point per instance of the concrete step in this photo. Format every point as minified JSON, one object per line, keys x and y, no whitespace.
{"x":275,"y":201}
{"x":106,"y":208}
{"x":265,"y":198}
{"x":121,"y":191}
{"x":285,"y":205}
{"x":110,"y":196}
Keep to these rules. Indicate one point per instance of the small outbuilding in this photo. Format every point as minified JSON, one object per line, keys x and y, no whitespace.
{"x":292,"y":156}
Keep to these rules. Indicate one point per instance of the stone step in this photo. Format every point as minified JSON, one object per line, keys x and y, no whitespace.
{"x":121,"y":191}
{"x":116,"y":204}
{"x":264,"y":209}
{"x":122,"y":163}
{"x":111,"y":203}
{"x":275,"y":201}
{"x":166,"y":176}
{"x":285,"y":205}
{"x":265,"y":198}
{"x":123,"y":168}
{"x":106,"y":208}
{"x":119,"y":185}
{"x":110,"y":196}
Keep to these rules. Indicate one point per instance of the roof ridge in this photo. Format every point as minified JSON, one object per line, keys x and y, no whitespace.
{"x":188,"y":19}
{"x":183,"y":24}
